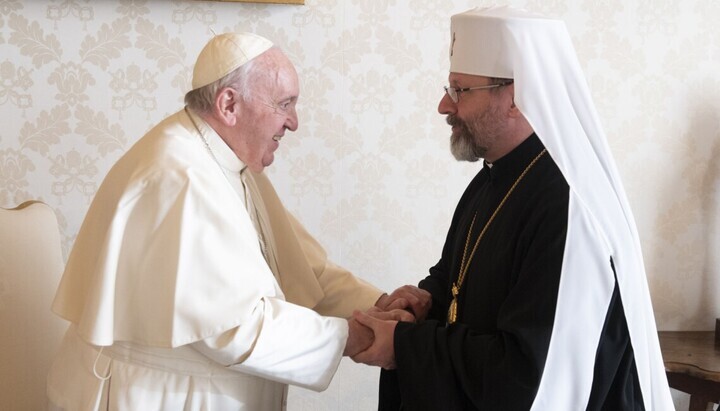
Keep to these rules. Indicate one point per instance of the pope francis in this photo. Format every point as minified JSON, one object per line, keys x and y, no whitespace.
{"x":190,"y":286}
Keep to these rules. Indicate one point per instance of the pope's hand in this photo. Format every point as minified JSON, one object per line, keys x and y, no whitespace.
{"x":382,"y":352}
{"x":359,"y":338}
{"x":395,"y":315}
{"x":407,"y":297}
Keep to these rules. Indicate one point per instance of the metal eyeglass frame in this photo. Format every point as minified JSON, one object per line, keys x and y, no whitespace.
{"x":454,"y":92}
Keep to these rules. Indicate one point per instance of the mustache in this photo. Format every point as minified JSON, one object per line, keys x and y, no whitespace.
{"x":452,"y":120}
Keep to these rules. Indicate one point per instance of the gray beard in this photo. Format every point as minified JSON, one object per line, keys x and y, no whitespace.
{"x":474,"y":137}
{"x":464,"y":148}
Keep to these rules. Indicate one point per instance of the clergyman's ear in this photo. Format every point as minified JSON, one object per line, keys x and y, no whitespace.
{"x":514,"y":111}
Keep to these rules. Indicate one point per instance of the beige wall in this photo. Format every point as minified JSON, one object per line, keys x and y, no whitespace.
{"x":369,"y":170}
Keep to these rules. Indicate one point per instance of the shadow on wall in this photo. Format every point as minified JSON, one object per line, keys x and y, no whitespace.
{"x":683,"y":249}
{"x":704,"y":131}
{"x":696,"y":188}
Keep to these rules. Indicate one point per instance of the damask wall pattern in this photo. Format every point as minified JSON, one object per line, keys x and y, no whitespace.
{"x":369,"y":170}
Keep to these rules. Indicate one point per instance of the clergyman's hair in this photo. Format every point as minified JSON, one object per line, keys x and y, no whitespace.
{"x":501,"y":81}
{"x":201,"y":100}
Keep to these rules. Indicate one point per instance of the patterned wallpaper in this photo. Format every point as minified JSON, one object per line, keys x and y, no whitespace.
{"x":369,"y":170}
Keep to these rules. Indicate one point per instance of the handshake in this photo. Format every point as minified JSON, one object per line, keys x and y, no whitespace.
{"x":371,"y":333}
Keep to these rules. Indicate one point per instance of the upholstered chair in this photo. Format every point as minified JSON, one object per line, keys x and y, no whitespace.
{"x":31,"y":264}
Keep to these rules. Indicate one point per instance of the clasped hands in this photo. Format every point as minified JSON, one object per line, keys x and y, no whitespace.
{"x":371,"y":333}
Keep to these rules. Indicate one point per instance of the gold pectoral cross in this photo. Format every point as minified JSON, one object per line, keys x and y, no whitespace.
{"x":452,"y":311}
{"x":467,"y":258}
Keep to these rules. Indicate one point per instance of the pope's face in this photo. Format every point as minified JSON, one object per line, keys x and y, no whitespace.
{"x":268,"y":113}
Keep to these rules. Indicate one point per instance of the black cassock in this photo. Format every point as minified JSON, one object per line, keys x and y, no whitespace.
{"x":493,"y":357}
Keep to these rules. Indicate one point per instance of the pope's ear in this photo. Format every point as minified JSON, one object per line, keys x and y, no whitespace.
{"x":227,"y":106}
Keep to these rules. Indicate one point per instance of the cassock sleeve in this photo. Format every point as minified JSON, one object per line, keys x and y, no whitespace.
{"x":297,"y":340}
{"x":343,"y":292}
{"x":307,"y":276}
{"x":282,"y":342}
{"x":459,"y":367}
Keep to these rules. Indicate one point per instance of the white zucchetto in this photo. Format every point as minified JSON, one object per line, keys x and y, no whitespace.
{"x":224,"y":53}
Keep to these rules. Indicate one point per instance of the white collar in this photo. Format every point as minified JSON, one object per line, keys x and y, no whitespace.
{"x":218,"y":148}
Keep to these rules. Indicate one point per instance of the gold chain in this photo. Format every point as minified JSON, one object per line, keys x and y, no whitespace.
{"x":452,"y":311}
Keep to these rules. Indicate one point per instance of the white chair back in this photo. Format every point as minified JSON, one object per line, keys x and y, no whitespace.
{"x":31,"y":264}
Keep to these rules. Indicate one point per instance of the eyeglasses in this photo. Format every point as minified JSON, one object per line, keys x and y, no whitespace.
{"x":454,"y":92}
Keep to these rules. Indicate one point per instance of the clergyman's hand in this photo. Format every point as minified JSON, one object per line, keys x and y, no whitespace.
{"x":417,"y":300}
{"x":382,"y":352}
{"x":359,"y":338}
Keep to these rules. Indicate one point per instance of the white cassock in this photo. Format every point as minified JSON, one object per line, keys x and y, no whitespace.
{"x":175,"y":300}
